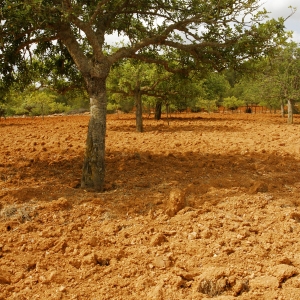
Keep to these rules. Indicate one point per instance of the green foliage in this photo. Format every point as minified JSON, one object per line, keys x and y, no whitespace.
{"x":75,"y":99}
{"x":38,"y":103}
{"x":34,"y":103}
{"x":152,"y":82}
{"x":278,"y":79}
{"x":170,"y":108}
{"x":67,"y":33}
{"x":62,"y":66}
{"x":207,"y":105}
{"x":286,"y":68}
{"x":248,"y":90}
{"x":120,"y":102}
{"x":111,"y":108}
{"x":215,"y":87}
{"x":232,"y":103}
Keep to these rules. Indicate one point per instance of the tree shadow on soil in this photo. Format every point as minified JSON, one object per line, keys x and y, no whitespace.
{"x":12,"y":124}
{"x":144,"y":174}
{"x":219,"y":171}
{"x":184,"y":126}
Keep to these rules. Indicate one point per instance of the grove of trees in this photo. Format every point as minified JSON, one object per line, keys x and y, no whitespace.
{"x":166,"y":50}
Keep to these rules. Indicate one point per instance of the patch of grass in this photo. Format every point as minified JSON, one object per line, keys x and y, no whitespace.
{"x":213,"y":288}
{"x":19,"y":213}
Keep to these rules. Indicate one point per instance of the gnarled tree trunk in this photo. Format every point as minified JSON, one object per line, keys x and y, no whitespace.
{"x":93,"y":172}
{"x":94,"y":71}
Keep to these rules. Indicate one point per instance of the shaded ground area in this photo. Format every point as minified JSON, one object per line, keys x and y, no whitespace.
{"x":207,"y":207}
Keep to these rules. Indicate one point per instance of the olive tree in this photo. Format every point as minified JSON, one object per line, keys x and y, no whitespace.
{"x":284,"y":71}
{"x":136,"y":79}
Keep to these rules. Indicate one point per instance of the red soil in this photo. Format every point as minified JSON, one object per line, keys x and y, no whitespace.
{"x":205,"y":207}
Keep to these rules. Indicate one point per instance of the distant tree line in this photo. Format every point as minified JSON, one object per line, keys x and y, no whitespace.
{"x":273,"y":82}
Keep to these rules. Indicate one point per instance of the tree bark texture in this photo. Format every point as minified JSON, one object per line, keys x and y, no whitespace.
{"x":290,"y":112}
{"x":139,"y":110}
{"x":167,"y":111}
{"x":282,"y":109}
{"x":157,"y":115}
{"x":93,"y":172}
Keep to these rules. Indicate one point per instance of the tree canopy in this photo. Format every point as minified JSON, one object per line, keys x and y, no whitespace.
{"x":281,"y":77}
{"x":180,"y":35}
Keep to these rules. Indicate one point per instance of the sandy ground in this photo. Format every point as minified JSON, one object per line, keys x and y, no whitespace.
{"x":207,"y":207}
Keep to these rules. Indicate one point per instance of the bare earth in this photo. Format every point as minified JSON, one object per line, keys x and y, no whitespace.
{"x":207,"y":207}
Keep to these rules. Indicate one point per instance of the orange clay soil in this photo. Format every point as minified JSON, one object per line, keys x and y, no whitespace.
{"x":207,"y":207}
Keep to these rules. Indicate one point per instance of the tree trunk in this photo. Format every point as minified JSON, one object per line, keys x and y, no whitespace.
{"x":167,"y":110}
{"x":282,"y":109}
{"x":149,"y":110}
{"x":139,"y":110}
{"x":157,"y":115}
{"x":94,"y":70}
{"x":290,"y":112}
{"x":93,"y":172}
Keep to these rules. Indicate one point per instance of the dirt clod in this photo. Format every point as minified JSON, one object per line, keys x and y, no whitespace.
{"x":176,"y":202}
{"x":158,"y":239}
{"x":4,"y":277}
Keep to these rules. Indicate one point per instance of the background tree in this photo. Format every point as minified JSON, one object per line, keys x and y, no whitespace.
{"x":233,"y":103}
{"x":267,"y":93}
{"x":248,"y":90}
{"x":277,"y":83}
{"x":177,"y":93}
{"x":214,"y":87}
{"x":33,"y":102}
{"x":136,"y":79}
{"x":56,"y":76}
{"x":216,"y":33}
{"x":286,"y":68}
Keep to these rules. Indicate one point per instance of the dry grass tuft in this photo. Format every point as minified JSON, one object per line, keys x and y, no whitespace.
{"x":21,"y":213}
{"x":213,"y":288}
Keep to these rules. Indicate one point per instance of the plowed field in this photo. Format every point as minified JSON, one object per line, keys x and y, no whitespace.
{"x":205,"y":207}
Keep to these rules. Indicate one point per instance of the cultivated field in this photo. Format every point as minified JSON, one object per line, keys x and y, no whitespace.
{"x":207,"y":207}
